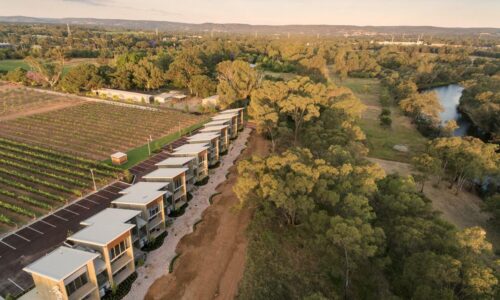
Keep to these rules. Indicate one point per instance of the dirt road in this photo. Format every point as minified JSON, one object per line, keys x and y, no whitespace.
{"x":212,"y":258}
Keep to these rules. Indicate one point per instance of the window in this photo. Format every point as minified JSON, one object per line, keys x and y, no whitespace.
{"x":177,"y":183}
{"x":118,"y":249}
{"x":76,"y":284}
{"x":153,"y":212}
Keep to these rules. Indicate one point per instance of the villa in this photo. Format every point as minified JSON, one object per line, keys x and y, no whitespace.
{"x":188,"y":162}
{"x":241,"y":116}
{"x":66,"y":274}
{"x":151,"y":199}
{"x":233,"y":123}
{"x":200,"y":152}
{"x":211,"y":139}
{"x":222,"y":130}
{"x":176,"y":177}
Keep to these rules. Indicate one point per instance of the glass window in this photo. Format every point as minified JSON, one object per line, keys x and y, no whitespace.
{"x":118,"y":249}
{"x":153,"y":211}
{"x":76,"y":284}
{"x":177,"y":183}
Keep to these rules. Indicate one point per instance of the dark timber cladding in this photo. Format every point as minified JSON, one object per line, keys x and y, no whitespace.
{"x":24,"y":246}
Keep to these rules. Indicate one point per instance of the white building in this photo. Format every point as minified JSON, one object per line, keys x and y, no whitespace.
{"x":188,"y":162}
{"x":212,"y":101}
{"x":212,"y":139}
{"x":222,"y":131}
{"x":125,"y":95}
{"x":176,"y":177}
{"x":170,"y":96}
{"x":200,"y":153}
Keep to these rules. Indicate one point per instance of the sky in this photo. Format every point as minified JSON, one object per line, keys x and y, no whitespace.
{"x":446,"y":13}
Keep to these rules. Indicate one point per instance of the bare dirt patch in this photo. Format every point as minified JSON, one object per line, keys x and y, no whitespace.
{"x":212,"y":258}
{"x":462,"y":209}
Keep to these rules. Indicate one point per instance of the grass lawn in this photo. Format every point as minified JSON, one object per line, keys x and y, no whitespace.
{"x":11,"y":64}
{"x":141,"y":153}
{"x":381,"y":140}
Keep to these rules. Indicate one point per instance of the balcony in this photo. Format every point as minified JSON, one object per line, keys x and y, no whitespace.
{"x":189,"y":175}
{"x":122,"y":275}
{"x":83,"y":291}
{"x":179,"y":194}
{"x":99,"y":265}
{"x":121,"y":262}
{"x":155,"y":223}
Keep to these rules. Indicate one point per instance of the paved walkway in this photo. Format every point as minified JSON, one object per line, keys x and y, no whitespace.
{"x":157,"y":263}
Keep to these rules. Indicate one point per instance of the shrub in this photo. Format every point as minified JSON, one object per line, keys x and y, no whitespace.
{"x":210,"y":200}
{"x":202,"y":182}
{"x":156,"y":243}
{"x":171,"y":266}
{"x":179,"y":212}
{"x":122,"y":290}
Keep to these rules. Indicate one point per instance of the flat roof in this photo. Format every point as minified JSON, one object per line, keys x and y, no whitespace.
{"x":101,"y":234}
{"x":172,"y":94}
{"x":218,"y":123}
{"x":202,"y":137}
{"x":140,"y":197}
{"x":214,"y":97}
{"x":115,"y":91}
{"x":190,"y":149}
{"x":175,"y":161}
{"x":165,"y":173}
{"x":61,"y":263}
{"x":214,"y":128}
{"x":118,"y":155}
{"x":111,"y":215}
{"x":233,"y":110}
{"x":224,"y":116}
{"x":145,"y":186}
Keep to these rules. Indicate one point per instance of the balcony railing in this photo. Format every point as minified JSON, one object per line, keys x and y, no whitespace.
{"x":178,"y":194}
{"x":155,"y":222}
{"x":121,"y":262}
{"x":121,"y":276}
{"x":83,"y":291}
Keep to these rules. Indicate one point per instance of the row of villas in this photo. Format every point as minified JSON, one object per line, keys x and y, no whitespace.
{"x":104,"y":253}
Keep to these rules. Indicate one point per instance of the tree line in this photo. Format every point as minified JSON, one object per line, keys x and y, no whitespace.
{"x":329,"y":224}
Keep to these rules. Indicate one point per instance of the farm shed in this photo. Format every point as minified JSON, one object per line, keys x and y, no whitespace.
{"x":125,"y":95}
{"x":170,"y":96}
{"x":119,"y":158}
{"x":211,"y":101}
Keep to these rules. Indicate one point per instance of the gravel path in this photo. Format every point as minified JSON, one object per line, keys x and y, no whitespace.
{"x":158,"y":261}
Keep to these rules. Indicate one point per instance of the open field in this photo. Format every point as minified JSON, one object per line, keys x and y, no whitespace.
{"x":382,"y":140}
{"x":16,"y":101}
{"x":11,"y":64}
{"x":35,"y":180}
{"x":96,"y":130}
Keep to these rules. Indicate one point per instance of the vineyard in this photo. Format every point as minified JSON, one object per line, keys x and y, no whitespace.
{"x":14,"y":99}
{"x":95,"y":130}
{"x":35,"y":180}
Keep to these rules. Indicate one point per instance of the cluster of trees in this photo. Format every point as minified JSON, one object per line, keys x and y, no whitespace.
{"x":481,"y":102}
{"x":461,"y":161}
{"x":330,"y":224}
{"x":424,"y":109}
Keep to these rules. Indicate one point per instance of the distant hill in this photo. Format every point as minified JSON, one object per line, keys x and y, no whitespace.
{"x":331,"y":30}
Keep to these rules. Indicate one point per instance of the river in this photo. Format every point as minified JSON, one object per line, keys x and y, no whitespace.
{"x":449,"y":96}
